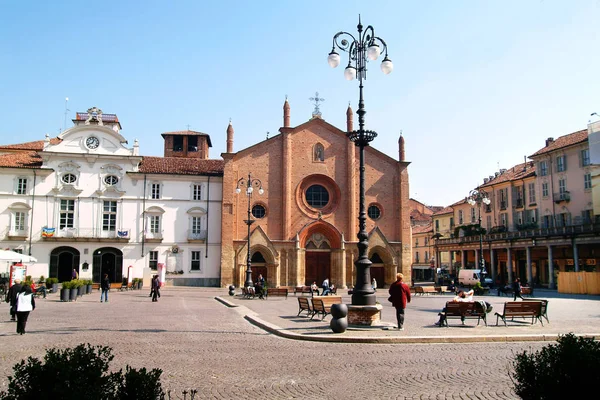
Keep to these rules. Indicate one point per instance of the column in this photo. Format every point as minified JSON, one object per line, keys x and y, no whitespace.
{"x":529,"y":269}
{"x":575,"y":256}
{"x":463,"y":259}
{"x":550,"y":269}
{"x":493,"y":265}
{"x":509,"y":267}
{"x":476,"y":258}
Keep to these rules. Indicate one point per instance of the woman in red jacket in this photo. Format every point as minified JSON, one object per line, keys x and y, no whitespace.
{"x":399,"y":296}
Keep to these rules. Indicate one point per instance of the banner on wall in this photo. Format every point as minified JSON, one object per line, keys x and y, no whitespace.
{"x":17,"y":271}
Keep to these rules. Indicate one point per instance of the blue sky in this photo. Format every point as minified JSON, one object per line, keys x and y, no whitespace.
{"x":476,"y":86}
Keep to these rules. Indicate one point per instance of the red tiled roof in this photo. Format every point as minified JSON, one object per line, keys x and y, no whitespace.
{"x":564,"y":141}
{"x":21,"y":159}
{"x":416,"y":215}
{"x":38,"y":145}
{"x":422,"y":229}
{"x":181,"y":166}
{"x":519,"y":171}
{"x":445,"y":210}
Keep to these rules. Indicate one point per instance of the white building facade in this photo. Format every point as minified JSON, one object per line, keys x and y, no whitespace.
{"x":86,"y":201}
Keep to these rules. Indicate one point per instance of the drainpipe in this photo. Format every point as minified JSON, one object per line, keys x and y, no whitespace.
{"x":32,"y":205}
{"x":207,"y":207}
{"x":144,"y":216}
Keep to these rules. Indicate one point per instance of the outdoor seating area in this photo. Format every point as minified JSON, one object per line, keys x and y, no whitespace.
{"x":317,"y":305}
{"x":525,"y":309}
{"x":302,"y":290}
{"x":277,"y":292}
{"x":462,"y":311}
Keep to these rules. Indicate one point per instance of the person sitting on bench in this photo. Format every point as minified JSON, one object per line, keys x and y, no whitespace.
{"x":314,"y":288}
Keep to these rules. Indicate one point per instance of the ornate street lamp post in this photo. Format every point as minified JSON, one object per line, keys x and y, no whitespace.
{"x":366,"y":46}
{"x":249,"y":183}
{"x":477,"y":197}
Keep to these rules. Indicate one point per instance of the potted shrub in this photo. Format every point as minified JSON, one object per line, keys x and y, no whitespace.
{"x":89,"y":286}
{"x":74,"y":289}
{"x":65,"y":291}
{"x":52,"y":284}
{"x":81,"y":288}
{"x":140,"y":283}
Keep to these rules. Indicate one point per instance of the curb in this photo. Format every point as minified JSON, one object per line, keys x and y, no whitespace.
{"x":226,"y":302}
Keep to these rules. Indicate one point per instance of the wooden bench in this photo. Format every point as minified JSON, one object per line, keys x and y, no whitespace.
{"x":544,"y":310}
{"x":277,"y":292}
{"x":322,"y":305}
{"x":441,"y":289}
{"x":422,"y":290}
{"x":304,"y":304}
{"x":463,"y":310}
{"x":526,"y":290}
{"x":529,"y":308}
{"x":302,"y":290}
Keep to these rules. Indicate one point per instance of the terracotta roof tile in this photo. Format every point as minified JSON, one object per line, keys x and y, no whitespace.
{"x":519,"y":171}
{"x":564,"y":141}
{"x":181,"y":166}
{"x":422,"y":228}
{"x":38,"y":145}
{"x":416,"y":216}
{"x":445,"y":210}
{"x":21,"y":159}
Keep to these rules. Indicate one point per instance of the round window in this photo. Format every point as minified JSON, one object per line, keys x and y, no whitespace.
{"x":259,"y":211}
{"x":374,"y":212}
{"x":69,"y":178}
{"x":317,"y":196}
{"x":111,"y":180}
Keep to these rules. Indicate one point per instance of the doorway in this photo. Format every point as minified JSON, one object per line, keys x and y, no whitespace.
{"x":318,"y":267}
{"x":108,"y":260}
{"x":62,"y":262}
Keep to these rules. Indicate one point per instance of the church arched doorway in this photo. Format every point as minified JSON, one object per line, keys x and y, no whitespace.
{"x":62,"y":262}
{"x":108,"y":260}
{"x":377,"y":270}
{"x":318,"y":260}
{"x":259,"y":267}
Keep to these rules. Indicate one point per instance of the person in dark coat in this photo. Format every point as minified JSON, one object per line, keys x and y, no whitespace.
{"x":105,"y":286}
{"x":517,"y":289}
{"x":11,"y":297}
{"x":155,"y":288}
{"x":400,"y":297}
{"x":25,"y":304}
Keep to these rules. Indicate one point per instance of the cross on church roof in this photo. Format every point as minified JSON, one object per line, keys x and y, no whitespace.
{"x":316,"y":112}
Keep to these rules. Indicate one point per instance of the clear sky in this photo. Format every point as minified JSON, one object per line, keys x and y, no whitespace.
{"x":476,"y":86}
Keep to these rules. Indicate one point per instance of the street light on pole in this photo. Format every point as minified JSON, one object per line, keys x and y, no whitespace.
{"x":249,"y":183}
{"x":366,"y":46}
{"x":476,"y":197}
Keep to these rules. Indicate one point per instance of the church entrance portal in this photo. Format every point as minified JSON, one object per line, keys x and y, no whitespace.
{"x":318,"y":267}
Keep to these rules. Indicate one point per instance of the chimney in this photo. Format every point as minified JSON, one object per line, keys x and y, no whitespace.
{"x":549,"y":141}
{"x":401,"y":146}
{"x":286,"y":114}
{"x":349,"y":119}
{"x":485,"y":180}
{"x":230,"y":138}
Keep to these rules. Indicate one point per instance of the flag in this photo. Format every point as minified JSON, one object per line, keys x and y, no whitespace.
{"x":48,"y":232}
{"x":123,"y":233}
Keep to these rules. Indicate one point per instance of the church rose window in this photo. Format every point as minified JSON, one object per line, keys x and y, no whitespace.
{"x":259,"y":211}
{"x":374,"y":212}
{"x":317,"y":196}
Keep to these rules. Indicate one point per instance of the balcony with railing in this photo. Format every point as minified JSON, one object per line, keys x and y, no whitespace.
{"x":519,"y":203}
{"x":85,"y":234}
{"x":195,"y":236}
{"x":562,"y":196}
{"x":153,"y":237}
{"x":17,"y":234}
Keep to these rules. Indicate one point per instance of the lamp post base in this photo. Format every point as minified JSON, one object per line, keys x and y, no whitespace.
{"x":364,"y":315}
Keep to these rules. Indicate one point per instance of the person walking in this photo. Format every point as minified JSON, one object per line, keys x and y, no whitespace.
{"x":516,"y":286}
{"x":105,"y":286}
{"x":25,"y":304}
{"x":155,"y":288}
{"x":11,"y":297}
{"x":399,"y":297}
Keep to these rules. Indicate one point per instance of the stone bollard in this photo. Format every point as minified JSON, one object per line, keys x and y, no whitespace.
{"x":231,"y":290}
{"x":339,"y":322}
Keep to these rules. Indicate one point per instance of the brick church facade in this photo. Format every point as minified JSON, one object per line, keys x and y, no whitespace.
{"x":306,"y":221}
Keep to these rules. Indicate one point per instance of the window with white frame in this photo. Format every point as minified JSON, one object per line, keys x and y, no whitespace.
{"x":109,"y":216}
{"x":561,"y":163}
{"x":543,"y":168}
{"x":545,"y":189}
{"x":155,"y":224}
{"x":22,"y":186}
{"x":460,"y":217}
{"x":155,"y":191}
{"x":153,"y":260}
{"x":196,"y":257}
{"x":196,"y":192}
{"x":585,"y":157}
{"x":67,"y":214}
{"x":587,"y":181}
{"x":19,"y":220}
{"x":473,"y":216}
{"x":562,"y":186}
{"x":489,"y":222}
{"x":531,"y":193}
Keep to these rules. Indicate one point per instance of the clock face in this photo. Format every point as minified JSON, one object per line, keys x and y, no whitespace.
{"x":92,"y":142}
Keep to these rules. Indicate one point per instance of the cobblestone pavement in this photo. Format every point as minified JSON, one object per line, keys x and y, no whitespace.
{"x":200,"y":343}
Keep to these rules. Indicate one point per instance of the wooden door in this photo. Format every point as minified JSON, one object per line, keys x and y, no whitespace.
{"x":318,"y":267}
{"x":379,"y":274}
